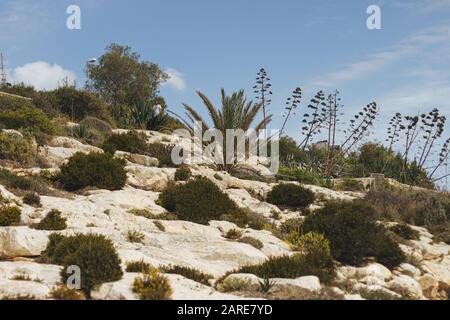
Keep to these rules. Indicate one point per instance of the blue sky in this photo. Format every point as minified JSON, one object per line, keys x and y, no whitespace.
{"x":208,"y":44}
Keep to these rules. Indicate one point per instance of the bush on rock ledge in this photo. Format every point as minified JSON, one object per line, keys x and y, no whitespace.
{"x":94,"y":170}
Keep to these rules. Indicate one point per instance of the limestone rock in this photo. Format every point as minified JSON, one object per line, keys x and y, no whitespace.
{"x":406,"y":286}
{"x":22,"y":242}
{"x":149,"y":178}
{"x":374,"y":269}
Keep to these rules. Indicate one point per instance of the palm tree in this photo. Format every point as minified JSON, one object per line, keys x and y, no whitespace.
{"x":235,"y":113}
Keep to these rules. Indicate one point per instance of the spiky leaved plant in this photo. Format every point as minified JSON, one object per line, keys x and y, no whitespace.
{"x":433,"y":127}
{"x":263,"y":91}
{"x":291,"y":105}
{"x":314,"y":120}
{"x":235,"y":113}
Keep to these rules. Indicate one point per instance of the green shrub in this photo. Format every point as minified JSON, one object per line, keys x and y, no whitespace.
{"x":161,"y":152}
{"x":29,"y":118}
{"x":348,"y":184}
{"x":95,"y":124}
{"x":420,"y":208}
{"x":94,"y":254}
{"x":78,"y":104}
{"x":405,"y":231}
{"x":15,"y":148}
{"x":34,"y":184}
{"x":152,"y":286}
{"x":290,"y":195}
{"x":91,"y":130}
{"x":252,"y":241}
{"x":32,"y":199}
{"x":199,"y":200}
{"x":139,"y":266}
{"x":353,"y":233}
{"x":9,"y":216}
{"x":289,"y":227}
{"x":183,"y":173}
{"x":52,"y":221}
{"x":293,"y":267}
{"x":132,"y":142}
{"x":300,"y":175}
{"x":95,"y":170}
{"x":189,"y":273}
{"x":11,"y":103}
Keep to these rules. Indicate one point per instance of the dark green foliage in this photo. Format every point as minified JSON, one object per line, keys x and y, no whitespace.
{"x":291,"y":267}
{"x":233,"y":234}
{"x":32,"y":199}
{"x":131,"y":141}
{"x":77,"y":104}
{"x":405,"y":231}
{"x":353,"y":233}
{"x":290,"y":195}
{"x":161,"y":152}
{"x":95,"y":170}
{"x":189,"y":273}
{"x":120,"y":77}
{"x":290,"y":152}
{"x":300,"y":175}
{"x":94,"y":254}
{"x":28,"y":118}
{"x":199,"y":200}
{"x":53,"y":221}
{"x":9,"y":216}
{"x":183,"y":173}
{"x":139,"y":266}
{"x":375,"y":158}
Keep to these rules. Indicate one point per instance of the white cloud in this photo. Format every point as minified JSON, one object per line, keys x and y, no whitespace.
{"x":176,"y":79}
{"x":42,"y":75}
{"x":409,"y":46}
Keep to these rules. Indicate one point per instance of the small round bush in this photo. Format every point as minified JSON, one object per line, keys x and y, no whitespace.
{"x":290,"y":195}
{"x":9,"y":216}
{"x":94,"y":254}
{"x":152,"y":286}
{"x":252,"y":241}
{"x":52,"y":221}
{"x":292,"y":267}
{"x":199,"y":200}
{"x":95,"y":170}
{"x":32,"y":199}
{"x":132,"y":142}
{"x":183,"y":173}
{"x":353,"y":233}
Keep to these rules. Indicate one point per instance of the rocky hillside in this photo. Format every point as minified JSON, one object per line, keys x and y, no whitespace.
{"x":199,"y":261}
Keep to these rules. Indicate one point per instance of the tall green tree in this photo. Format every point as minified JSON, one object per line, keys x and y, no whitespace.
{"x":121,"y":78}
